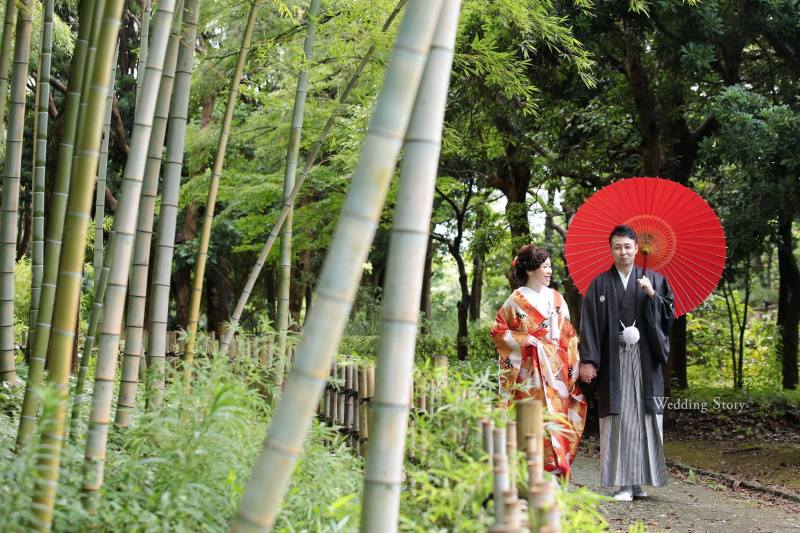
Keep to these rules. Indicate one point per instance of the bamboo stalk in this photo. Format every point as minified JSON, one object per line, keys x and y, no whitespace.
{"x":10,"y":19}
{"x":69,"y":281}
{"x":40,"y":158}
{"x":529,"y":417}
{"x":165,"y":240}
{"x":208,"y":217}
{"x":501,"y":473}
{"x":341,"y":272}
{"x":12,"y":174}
{"x":292,"y":151}
{"x":41,"y":338}
{"x":311,"y":160}
{"x":88,"y":346}
{"x":144,"y":47}
{"x":137,"y":295}
{"x":124,"y":233}
{"x":511,"y":451}
{"x":102,"y":173}
{"x":487,"y":427}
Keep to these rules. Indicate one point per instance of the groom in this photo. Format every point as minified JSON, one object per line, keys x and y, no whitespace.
{"x":626,"y":316}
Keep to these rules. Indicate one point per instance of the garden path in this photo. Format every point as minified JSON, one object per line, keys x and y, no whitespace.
{"x":692,"y":504}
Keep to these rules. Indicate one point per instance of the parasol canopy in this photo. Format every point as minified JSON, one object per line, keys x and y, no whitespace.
{"x":680,"y":236}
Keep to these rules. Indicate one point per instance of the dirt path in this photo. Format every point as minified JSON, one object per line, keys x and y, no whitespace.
{"x":688,"y":504}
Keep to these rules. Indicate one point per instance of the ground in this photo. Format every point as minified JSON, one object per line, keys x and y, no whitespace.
{"x":690,"y":503}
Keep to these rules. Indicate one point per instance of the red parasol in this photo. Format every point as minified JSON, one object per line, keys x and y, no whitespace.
{"x":679,"y":236}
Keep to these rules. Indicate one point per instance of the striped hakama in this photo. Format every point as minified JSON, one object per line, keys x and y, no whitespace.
{"x":632,"y":443}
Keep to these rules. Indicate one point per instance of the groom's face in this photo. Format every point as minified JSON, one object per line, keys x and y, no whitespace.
{"x":623,"y":250}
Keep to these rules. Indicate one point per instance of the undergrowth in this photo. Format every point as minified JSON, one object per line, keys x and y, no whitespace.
{"x":185,"y":467}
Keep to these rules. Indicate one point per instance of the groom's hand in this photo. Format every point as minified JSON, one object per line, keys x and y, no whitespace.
{"x":587,"y":372}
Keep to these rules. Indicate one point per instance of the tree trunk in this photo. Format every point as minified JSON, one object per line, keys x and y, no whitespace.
{"x":271,"y":291}
{"x":182,"y":278}
{"x":788,"y":303}
{"x":218,"y":293}
{"x":425,"y":299}
{"x":677,"y":356}
{"x":462,"y":336}
{"x":477,"y":286}
{"x":512,"y":178}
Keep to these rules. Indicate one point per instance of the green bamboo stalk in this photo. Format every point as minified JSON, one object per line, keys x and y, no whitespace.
{"x":124,"y":233}
{"x":292,"y":151}
{"x":69,"y":276}
{"x":100,"y":284}
{"x":5,"y":58}
{"x":208,"y":217}
{"x":9,"y":207}
{"x":311,"y":160}
{"x":102,"y":173}
{"x":41,"y":338}
{"x":408,"y":246}
{"x":144,"y":41}
{"x":39,"y":161}
{"x":137,"y":296}
{"x":102,"y":263}
{"x":341,"y":272}
{"x":167,"y":218}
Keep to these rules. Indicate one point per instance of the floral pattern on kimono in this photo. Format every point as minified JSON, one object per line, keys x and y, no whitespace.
{"x":540,"y":361}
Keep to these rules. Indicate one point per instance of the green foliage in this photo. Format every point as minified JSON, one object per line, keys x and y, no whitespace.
{"x":22,"y":297}
{"x":481,"y":349}
{"x":708,"y":347}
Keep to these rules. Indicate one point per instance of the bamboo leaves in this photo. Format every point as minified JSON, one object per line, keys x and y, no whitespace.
{"x":341,"y":272}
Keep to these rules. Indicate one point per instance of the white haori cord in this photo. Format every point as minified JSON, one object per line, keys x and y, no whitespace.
{"x":630,"y":334}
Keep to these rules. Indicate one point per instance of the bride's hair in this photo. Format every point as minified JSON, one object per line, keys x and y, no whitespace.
{"x":529,"y":257}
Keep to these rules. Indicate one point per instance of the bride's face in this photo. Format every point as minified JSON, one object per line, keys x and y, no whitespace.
{"x":541,"y":276}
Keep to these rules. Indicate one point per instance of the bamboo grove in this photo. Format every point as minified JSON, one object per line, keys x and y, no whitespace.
{"x":121,"y":266}
{"x":129,"y":176}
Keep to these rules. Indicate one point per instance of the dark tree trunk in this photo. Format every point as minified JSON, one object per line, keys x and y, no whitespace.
{"x":677,"y":356}
{"x":425,"y":297}
{"x":788,"y":303}
{"x":309,"y":301}
{"x":182,"y":277}
{"x":297,"y":289}
{"x":218,"y":291}
{"x":24,"y":233}
{"x":271,"y":291}
{"x":512,"y":178}
{"x":462,"y":337}
{"x":477,"y":286}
